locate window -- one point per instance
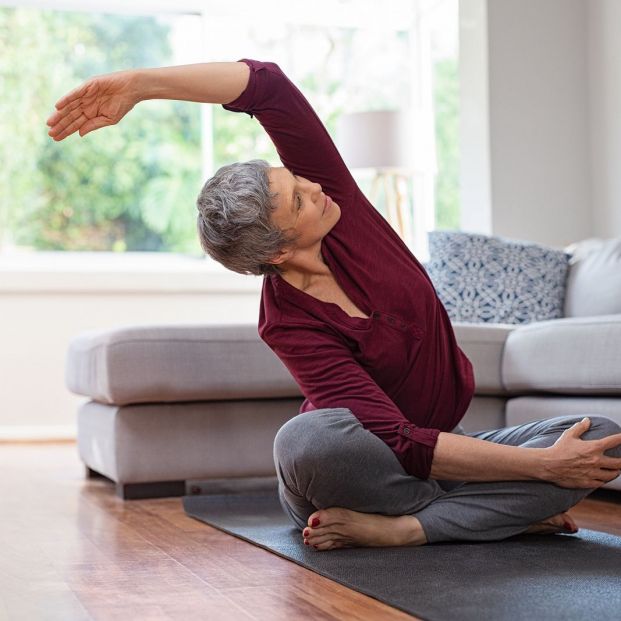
(134, 187)
(127, 188)
(442, 24)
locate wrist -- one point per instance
(140, 85)
(539, 463)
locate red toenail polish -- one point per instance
(315, 546)
(315, 522)
(306, 533)
(568, 526)
(306, 543)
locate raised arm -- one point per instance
(255, 87)
(105, 99)
(216, 83)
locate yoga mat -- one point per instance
(526, 577)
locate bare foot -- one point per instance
(342, 528)
(554, 524)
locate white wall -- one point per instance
(538, 120)
(537, 130)
(604, 88)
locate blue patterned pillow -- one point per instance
(481, 278)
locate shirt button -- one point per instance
(391, 320)
(406, 431)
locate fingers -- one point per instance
(93, 124)
(581, 426)
(59, 130)
(76, 93)
(611, 463)
(593, 483)
(69, 126)
(68, 116)
(612, 476)
(577, 429)
(610, 441)
(605, 475)
(59, 114)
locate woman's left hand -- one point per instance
(100, 101)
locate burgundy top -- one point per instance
(399, 371)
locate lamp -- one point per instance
(381, 140)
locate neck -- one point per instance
(305, 273)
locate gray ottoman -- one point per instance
(174, 406)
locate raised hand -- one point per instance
(100, 101)
(576, 463)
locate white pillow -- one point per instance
(594, 281)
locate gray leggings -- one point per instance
(326, 458)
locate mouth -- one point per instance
(325, 207)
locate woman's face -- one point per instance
(301, 206)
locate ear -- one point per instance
(283, 256)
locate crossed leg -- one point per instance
(325, 459)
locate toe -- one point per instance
(322, 539)
(311, 534)
(314, 519)
(569, 521)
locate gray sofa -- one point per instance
(184, 409)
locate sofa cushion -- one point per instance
(481, 278)
(594, 280)
(572, 355)
(155, 363)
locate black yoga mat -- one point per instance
(526, 577)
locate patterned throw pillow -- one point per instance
(481, 278)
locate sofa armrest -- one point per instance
(484, 345)
(168, 363)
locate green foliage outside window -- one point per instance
(446, 93)
(131, 187)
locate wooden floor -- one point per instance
(71, 549)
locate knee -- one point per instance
(310, 435)
(290, 437)
(603, 426)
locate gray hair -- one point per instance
(234, 224)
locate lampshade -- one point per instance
(380, 139)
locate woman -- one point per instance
(376, 455)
